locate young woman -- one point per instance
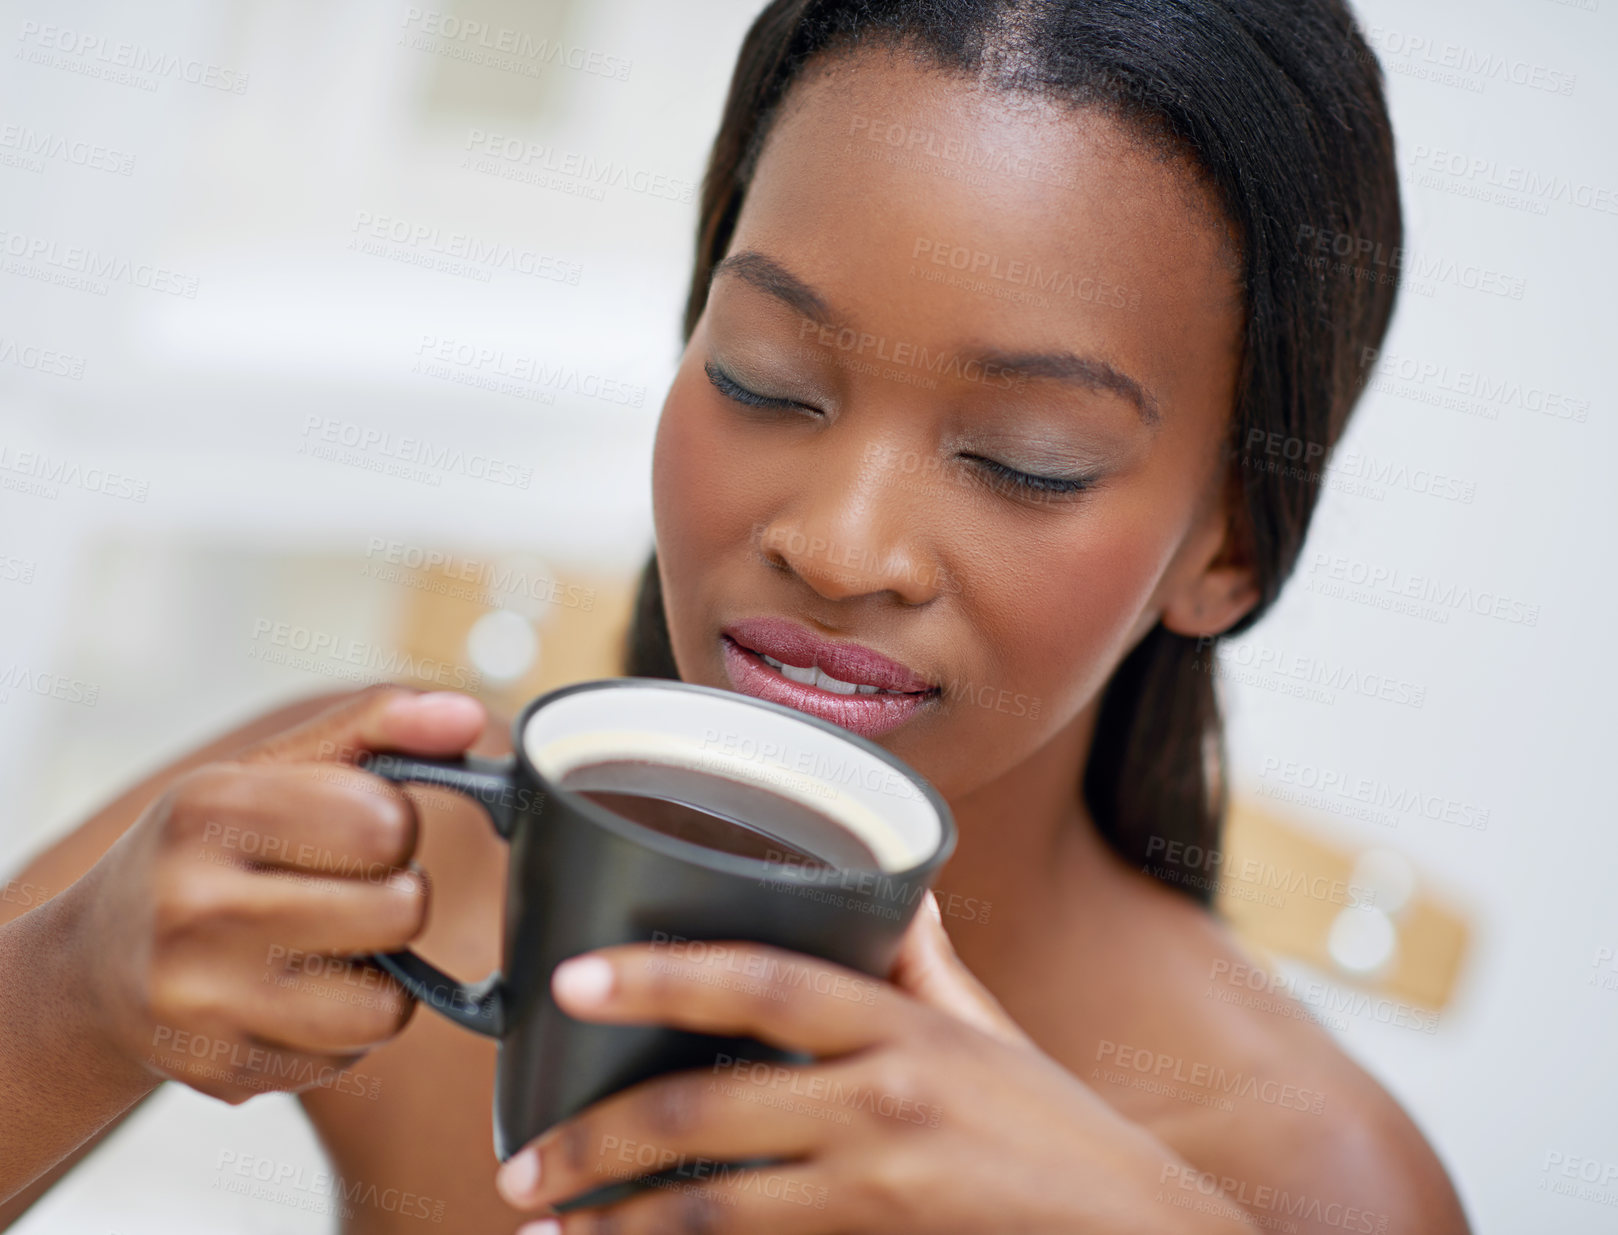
(1001, 313)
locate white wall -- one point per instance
(205, 402)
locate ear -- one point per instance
(1220, 586)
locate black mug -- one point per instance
(583, 876)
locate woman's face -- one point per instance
(957, 397)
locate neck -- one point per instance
(1028, 848)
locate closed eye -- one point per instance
(734, 390)
(1031, 484)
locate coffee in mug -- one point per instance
(642, 810)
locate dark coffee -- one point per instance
(719, 813)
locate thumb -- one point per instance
(928, 968)
(390, 718)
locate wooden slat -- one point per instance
(1266, 853)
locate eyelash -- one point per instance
(1027, 482)
(1041, 486)
(728, 386)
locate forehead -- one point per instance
(906, 193)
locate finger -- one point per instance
(325, 1005)
(726, 987)
(929, 968)
(327, 818)
(313, 913)
(730, 1112)
(716, 1198)
(381, 718)
(234, 1069)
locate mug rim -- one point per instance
(718, 859)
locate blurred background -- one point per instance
(331, 349)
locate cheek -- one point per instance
(676, 463)
(698, 510)
(1069, 604)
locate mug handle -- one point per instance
(477, 1006)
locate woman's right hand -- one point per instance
(215, 936)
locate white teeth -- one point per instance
(815, 676)
(825, 681)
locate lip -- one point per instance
(792, 644)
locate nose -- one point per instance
(856, 528)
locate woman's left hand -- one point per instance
(926, 1109)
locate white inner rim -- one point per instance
(727, 736)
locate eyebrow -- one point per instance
(1085, 371)
(769, 276)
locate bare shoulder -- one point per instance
(1270, 1111)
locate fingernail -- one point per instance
(519, 1177)
(932, 903)
(582, 980)
(545, 1226)
(441, 705)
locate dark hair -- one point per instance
(1277, 106)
